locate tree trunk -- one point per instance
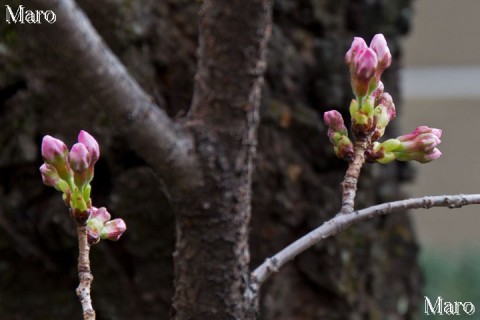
(212, 255)
(367, 272)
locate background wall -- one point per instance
(441, 86)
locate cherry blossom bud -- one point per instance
(79, 158)
(96, 222)
(113, 229)
(338, 134)
(94, 228)
(51, 178)
(344, 148)
(91, 144)
(379, 45)
(358, 44)
(334, 120)
(378, 91)
(363, 121)
(384, 113)
(432, 155)
(54, 151)
(365, 64)
(100, 214)
(420, 145)
(382, 152)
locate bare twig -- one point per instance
(148, 129)
(342, 221)
(84, 274)
(349, 184)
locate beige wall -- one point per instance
(446, 33)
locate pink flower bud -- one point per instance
(91, 144)
(384, 113)
(113, 229)
(378, 92)
(379, 45)
(98, 217)
(334, 120)
(358, 44)
(344, 148)
(93, 236)
(94, 228)
(363, 71)
(420, 145)
(419, 131)
(100, 214)
(51, 178)
(365, 64)
(54, 151)
(79, 158)
(49, 175)
(385, 102)
(433, 155)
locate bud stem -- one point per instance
(349, 184)
(84, 274)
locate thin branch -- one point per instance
(84, 274)
(341, 221)
(349, 184)
(150, 132)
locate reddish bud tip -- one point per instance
(420, 145)
(54, 151)
(113, 229)
(91, 144)
(101, 214)
(365, 64)
(334, 120)
(358, 44)
(49, 175)
(79, 158)
(379, 45)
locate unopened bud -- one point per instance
(334, 120)
(54, 151)
(384, 113)
(51, 178)
(113, 229)
(344, 148)
(358, 44)
(100, 214)
(363, 120)
(383, 152)
(91, 144)
(365, 65)
(420, 145)
(379, 45)
(79, 158)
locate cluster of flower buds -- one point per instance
(101, 227)
(367, 64)
(71, 172)
(338, 134)
(420, 145)
(373, 109)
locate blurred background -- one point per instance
(441, 88)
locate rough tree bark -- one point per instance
(367, 272)
(212, 255)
